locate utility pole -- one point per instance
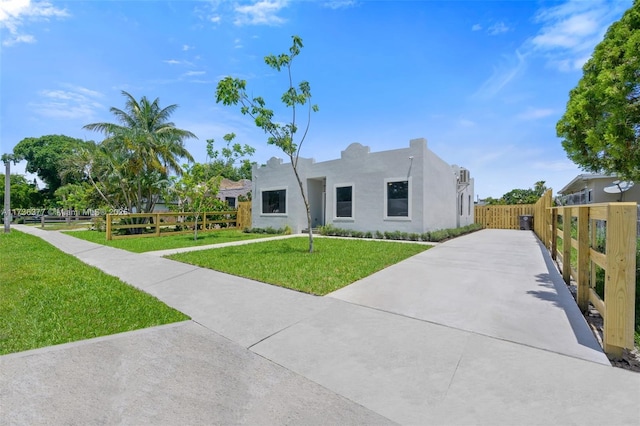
(7, 193)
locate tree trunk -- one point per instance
(306, 205)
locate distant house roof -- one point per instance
(230, 184)
(578, 182)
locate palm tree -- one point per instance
(142, 150)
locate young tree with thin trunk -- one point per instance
(288, 137)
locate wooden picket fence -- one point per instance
(172, 223)
(616, 225)
(502, 217)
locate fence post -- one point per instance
(566, 244)
(619, 288)
(548, 215)
(156, 221)
(554, 233)
(583, 258)
(108, 227)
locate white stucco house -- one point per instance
(408, 190)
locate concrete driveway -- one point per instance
(478, 330)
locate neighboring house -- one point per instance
(230, 191)
(589, 188)
(407, 190)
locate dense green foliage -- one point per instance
(44, 156)
(232, 161)
(232, 91)
(520, 196)
(601, 125)
(24, 194)
(286, 262)
(52, 298)
(130, 168)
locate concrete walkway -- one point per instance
(478, 330)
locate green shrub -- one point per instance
(433, 236)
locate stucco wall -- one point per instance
(432, 184)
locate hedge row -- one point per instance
(433, 236)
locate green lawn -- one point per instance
(334, 264)
(52, 298)
(140, 245)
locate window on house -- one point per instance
(231, 202)
(469, 206)
(344, 201)
(274, 201)
(398, 198)
(461, 204)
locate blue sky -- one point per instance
(483, 81)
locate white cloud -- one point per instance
(172, 62)
(339, 4)
(466, 123)
(498, 28)
(571, 31)
(262, 12)
(511, 67)
(186, 47)
(194, 73)
(535, 113)
(215, 19)
(568, 34)
(476, 27)
(71, 103)
(14, 14)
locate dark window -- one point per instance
(344, 201)
(231, 201)
(274, 201)
(398, 198)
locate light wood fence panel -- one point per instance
(244, 215)
(170, 223)
(503, 217)
(618, 262)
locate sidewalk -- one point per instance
(478, 330)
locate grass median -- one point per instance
(48, 297)
(334, 264)
(144, 244)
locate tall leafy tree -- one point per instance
(132, 164)
(288, 137)
(24, 194)
(601, 125)
(232, 161)
(44, 156)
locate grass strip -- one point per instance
(144, 244)
(334, 263)
(48, 297)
